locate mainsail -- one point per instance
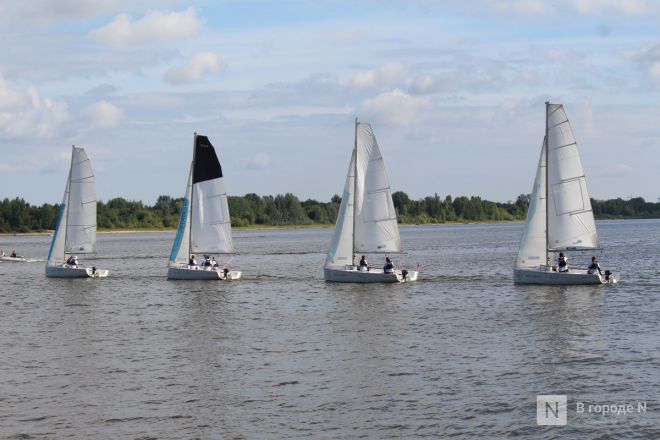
(210, 222)
(376, 228)
(75, 230)
(570, 218)
(341, 248)
(532, 250)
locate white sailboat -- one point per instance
(75, 230)
(559, 218)
(204, 225)
(366, 222)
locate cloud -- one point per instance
(427, 83)
(387, 74)
(154, 27)
(649, 59)
(629, 7)
(44, 12)
(26, 114)
(102, 89)
(102, 114)
(618, 170)
(527, 7)
(395, 107)
(195, 68)
(260, 161)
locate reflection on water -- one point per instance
(281, 354)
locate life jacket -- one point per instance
(562, 261)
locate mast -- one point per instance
(192, 192)
(68, 202)
(547, 147)
(354, 191)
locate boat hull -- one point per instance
(75, 272)
(13, 259)
(541, 275)
(184, 273)
(373, 276)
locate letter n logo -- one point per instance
(551, 409)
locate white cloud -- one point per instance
(154, 27)
(387, 74)
(25, 114)
(102, 114)
(630, 7)
(195, 68)
(618, 170)
(260, 161)
(48, 11)
(527, 7)
(649, 59)
(10, 98)
(395, 107)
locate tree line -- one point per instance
(17, 215)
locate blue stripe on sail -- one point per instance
(57, 227)
(180, 230)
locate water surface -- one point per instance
(282, 354)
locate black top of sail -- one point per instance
(207, 165)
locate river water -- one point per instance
(281, 354)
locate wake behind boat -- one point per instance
(366, 222)
(205, 224)
(559, 220)
(75, 231)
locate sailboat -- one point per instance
(560, 218)
(204, 225)
(366, 222)
(75, 230)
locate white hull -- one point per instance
(545, 275)
(352, 275)
(75, 272)
(13, 259)
(184, 273)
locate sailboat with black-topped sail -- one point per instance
(559, 217)
(75, 230)
(205, 225)
(366, 222)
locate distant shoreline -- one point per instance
(272, 227)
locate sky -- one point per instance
(454, 90)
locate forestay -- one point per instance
(532, 250)
(341, 248)
(181, 247)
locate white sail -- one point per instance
(181, 247)
(56, 252)
(341, 248)
(75, 230)
(532, 250)
(570, 218)
(376, 228)
(210, 221)
(81, 215)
